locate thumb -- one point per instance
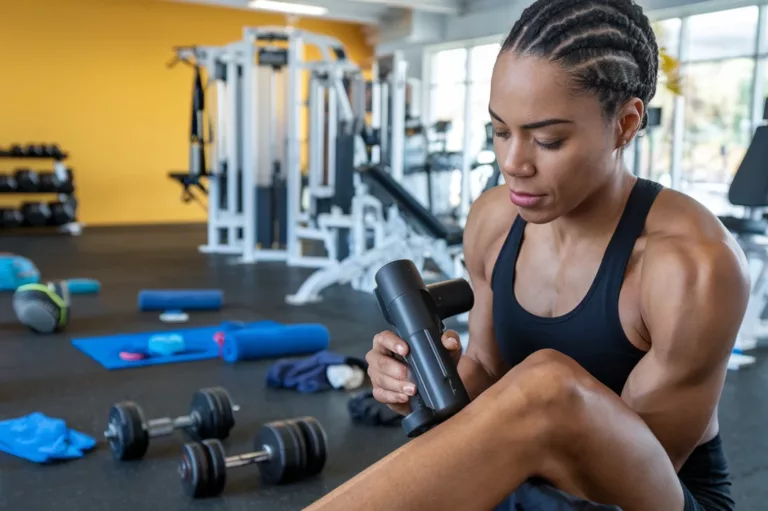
(452, 342)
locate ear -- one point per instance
(629, 121)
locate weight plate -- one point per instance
(279, 441)
(129, 439)
(195, 469)
(227, 418)
(204, 407)
(218, 458)
(316, 441)
(302, 447)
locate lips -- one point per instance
(524, 200)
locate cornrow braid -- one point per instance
(608, 45)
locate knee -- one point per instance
(547, 383)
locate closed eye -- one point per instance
(550, 146)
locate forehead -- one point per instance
(528, 89)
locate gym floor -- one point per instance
(48, 375)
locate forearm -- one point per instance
(475, 377)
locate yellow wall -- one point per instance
(90, 75)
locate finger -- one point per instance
(391, 367)
(386, 382)
(389, 342)
(388, 397)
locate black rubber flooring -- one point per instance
(46, 374)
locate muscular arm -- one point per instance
(693, 298)
(481, 366)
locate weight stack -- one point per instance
(281, 210)
(264, 218)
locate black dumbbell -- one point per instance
(16, 150)
(10, 218)
(47, 182)
(35, 150)
(35, 214)
(62, 213)
(65, 184)
(27, 180)
(287, 451)
(54, 151)
(211, 415)
(7, 183)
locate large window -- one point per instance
(483, 61)
(447, 93)
(449, 79)
(722, 34)
(763, 99)
(656, 146)
(717, 127)
(668, 35)
(718, 91)
(453, 72)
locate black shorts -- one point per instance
(705, 480)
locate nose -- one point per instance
(514, 159)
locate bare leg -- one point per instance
(546, 418)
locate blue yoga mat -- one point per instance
(198, 341)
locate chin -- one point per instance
(537, 216)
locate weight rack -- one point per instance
(65, 195)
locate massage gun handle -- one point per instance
(436, 376)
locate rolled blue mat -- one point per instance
(83, 286)
(279, 341)
(184, 299)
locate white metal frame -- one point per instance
(393, 238)
(250, 137)
(388, 115)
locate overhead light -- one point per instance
(288, 7)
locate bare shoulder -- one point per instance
(691, 264)
(680, 228)
(488, 224)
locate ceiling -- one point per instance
(363, 11)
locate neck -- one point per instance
(597, 216)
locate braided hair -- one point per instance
(608, 46)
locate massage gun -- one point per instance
(416, 311)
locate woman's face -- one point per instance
(554, 147)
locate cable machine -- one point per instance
(261, 204)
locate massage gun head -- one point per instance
(401, 277)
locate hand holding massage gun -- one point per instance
(416, 311)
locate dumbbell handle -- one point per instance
(250, 458)
(166, 425)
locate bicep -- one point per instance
(676, 403)
(692, 304)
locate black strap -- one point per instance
(630, 228)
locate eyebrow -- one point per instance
(533, 125)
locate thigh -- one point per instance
(595, 446)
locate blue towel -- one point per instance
(308, 375)
(42, 439)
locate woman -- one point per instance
(605, 307)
